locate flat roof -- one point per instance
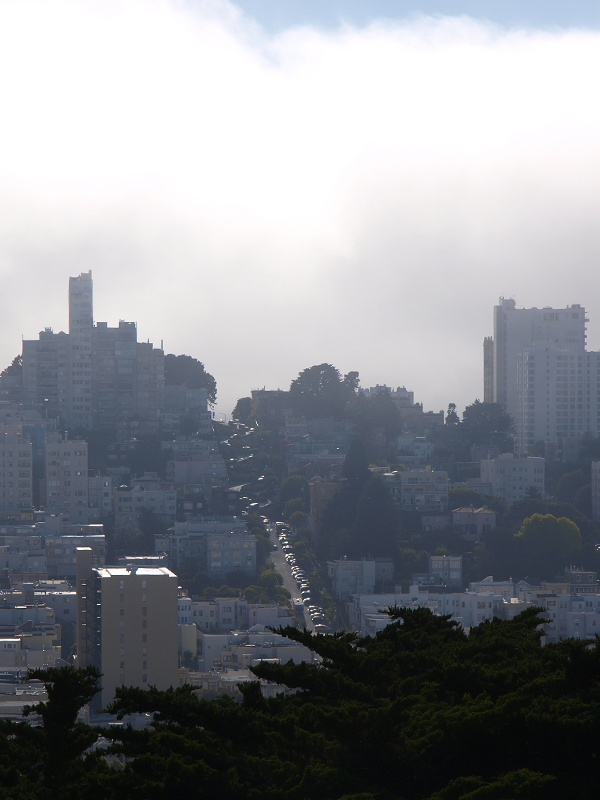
(114, 572)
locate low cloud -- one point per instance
(268, 202)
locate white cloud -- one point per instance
(266, 203)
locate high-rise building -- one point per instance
(93, 376)
(127, 624)
(515, 328)
(537, 368)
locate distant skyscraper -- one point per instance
(537, 368)
(94, 376)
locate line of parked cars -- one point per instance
(316, 612)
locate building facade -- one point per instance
(537, 368)
(67, 478)
(127, 624)
(511, 477)
(16, 488)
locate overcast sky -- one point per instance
(270, 185)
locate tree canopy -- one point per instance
(188, 371)
(243, 410)
(15, 368)
(422, 711)
(487, 424)
(321, 392)
(548, 544)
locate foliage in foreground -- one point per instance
(421, 712)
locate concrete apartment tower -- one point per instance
(536, 367)
(127, 624)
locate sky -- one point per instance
(270, 185)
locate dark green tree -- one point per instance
(376, 525)
(322, 392)
(570, 484)
(15, 369)
(355, 469)
(583, 500)
(451, 415)
(547, 545)
(487, 424)
(293, 487)
(62, 740)
(243, 410)
(188, 371)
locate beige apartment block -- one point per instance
(127, 624)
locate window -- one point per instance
(144, 637)
(144, 611)
(144, 678)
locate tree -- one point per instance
(188, 371)
(570, 484)
(294, 486)
(376, 526)
(321, 392)
(63, 741)
(385, 414)
(583, 500)
(355, 469)
(547, 545)
(15, 369)
(487, 424)
(419, 712)
(533, 491)
(243, 410)
(451, 415)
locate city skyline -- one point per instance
(268, 197)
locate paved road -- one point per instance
(284, 569)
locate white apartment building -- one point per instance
(15, 475)
(466, 608)
(511, 476)
(67, 478)
(516, 328)
(537, 368)
(242, 649)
